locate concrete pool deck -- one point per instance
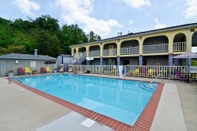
(21, 109)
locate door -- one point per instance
(125, 62)
(111, 48)
(144, 62)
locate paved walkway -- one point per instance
(188, 97)
(23, 110)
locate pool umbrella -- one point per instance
(186, 55)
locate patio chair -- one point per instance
(150, 73)
(42, 70)
(193, 78)
(48, 69)
(129, 73)
(80, 70)
(27, 71)
(20, 71)
(143, 72)
(136, 72)
(61, 68)
(181, 76)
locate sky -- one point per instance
(106, 17)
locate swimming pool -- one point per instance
(122, 100)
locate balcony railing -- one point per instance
(94, 53)
(179, 47)
(110, 52)
(156, 48)
(129, 50)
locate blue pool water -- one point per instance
(122, 100)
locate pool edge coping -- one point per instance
(144, 121)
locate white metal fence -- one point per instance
(167, 72)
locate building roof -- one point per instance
(66, 55)
(130, 35)
(27, 57)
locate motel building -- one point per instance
(142, 48)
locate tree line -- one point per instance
(44, 33)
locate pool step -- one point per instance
(148, 86)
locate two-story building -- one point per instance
(142, 48)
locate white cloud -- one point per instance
(137, 3)
(130, 21)
(26, 5)
(158, 24)
(191, 11)
(78, 11)
(170, 5)
(176, 8)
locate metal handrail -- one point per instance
(10, 78)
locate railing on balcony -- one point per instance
(155, 48)
(110, 52)
(129, 50)
(94, 53)
(179, 47)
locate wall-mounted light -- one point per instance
(118, 40)
(16, 61)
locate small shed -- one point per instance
(34, 61)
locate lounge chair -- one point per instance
(80, 70)
(61, 68)
(150, 73)
(129, 73)
(193, 78)
(27, 71)
(48, 69)
(42, 70)
(136, 72)
(20, 71)
(181, 76)
(143, 72)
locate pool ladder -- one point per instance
(10, 78)
(155, 78)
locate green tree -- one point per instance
(194, 62)
(70, 35)
(46, 22)
(43, 33)
(5, 33)
(15, 49)
(93, 37)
